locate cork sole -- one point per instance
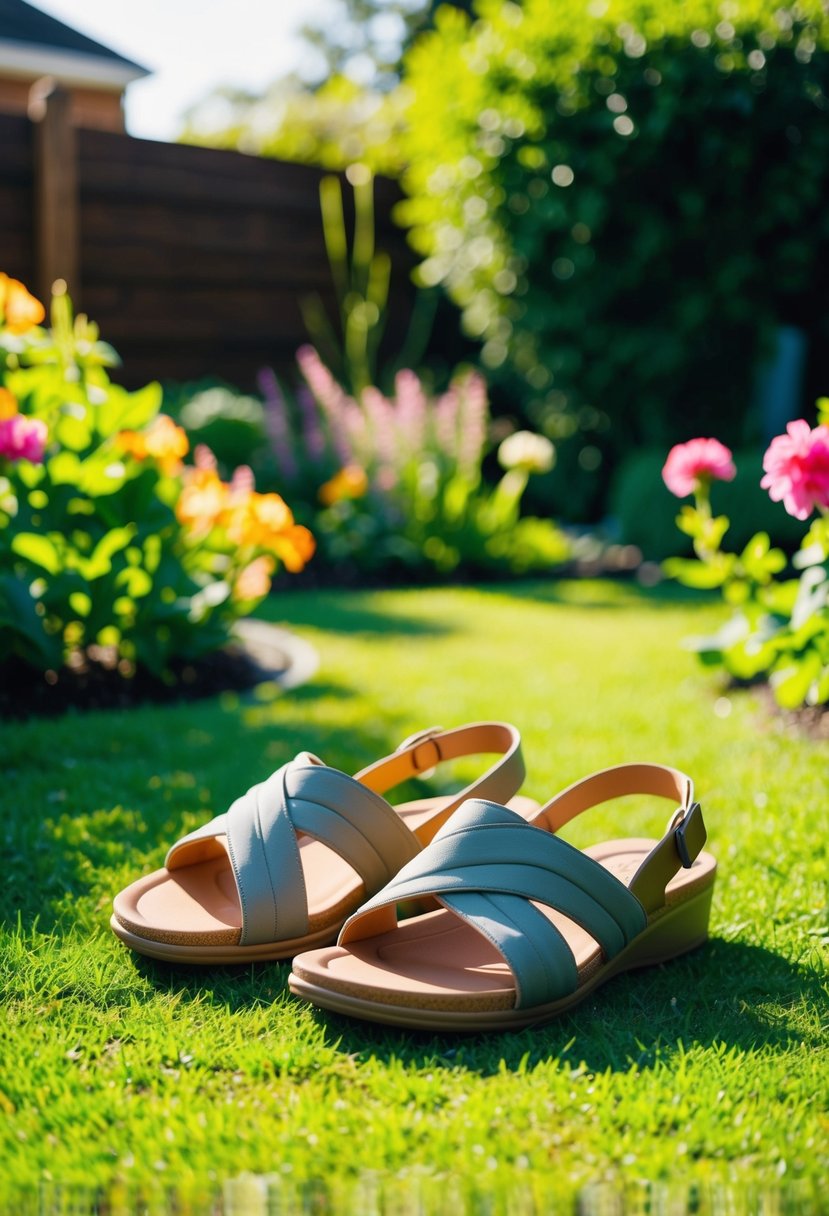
(192, 914)
(436, 972)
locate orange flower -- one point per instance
(162, 440)
(167, 442)
(8, 404)
(258, 519)
(350, 482)
(265, 521)
(203, 500)
(294, 548)
(18, 307)
(255, 580)
(133, 443)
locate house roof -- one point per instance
(34, 43)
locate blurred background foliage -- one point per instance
(624, 200)
(347, 104)
(625, 203)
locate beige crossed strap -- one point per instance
(426, 749)
(683, 838)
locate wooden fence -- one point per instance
(193, 261)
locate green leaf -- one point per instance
(746, 661)
(791, 684)
(780, 598)
(73, 430)
(455, 498)
(64, 469)
(701, 575)
(101, 474)
(18, 615)
(714, 530)
(737, 592)
(689, 521)
(761, 562)
(137, 582)
(128, 411)
(80, 603)
(37, 549)
(100, 561)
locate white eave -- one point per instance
(69, 67)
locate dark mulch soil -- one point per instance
(25, 692)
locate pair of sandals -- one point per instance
(512, 925)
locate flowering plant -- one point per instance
(398, 479)
(780, 626)
(111, 549)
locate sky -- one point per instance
(191, 46)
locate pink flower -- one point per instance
(696, 462)
(242, 482)
(797, 469)
(412, 410)
(203, 458)
(23, 438)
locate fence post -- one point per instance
(55, 188)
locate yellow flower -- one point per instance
(162, 440)
(349, 482)
(257, 519)
(294, 547)
(203, 500)
(255, 580)
(8, 404)
(19, 309)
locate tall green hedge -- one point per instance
(625, 197)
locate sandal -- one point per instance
(294, 856)
(523, 926)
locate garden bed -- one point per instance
(260, 653)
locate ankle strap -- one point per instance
(684, 836)
(426, 749)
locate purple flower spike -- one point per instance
(278, 425)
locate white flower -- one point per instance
(526, 450)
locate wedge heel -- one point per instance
(681, 928)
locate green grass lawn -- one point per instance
(143, 1080)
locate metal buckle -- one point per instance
(679, 834)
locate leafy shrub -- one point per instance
(397, 482)
(780, 627)
(624, 199)
(110, 549)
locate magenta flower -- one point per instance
(23, 438)
(695, 463)
(797, 469)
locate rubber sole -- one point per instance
(208, 956)
(675, 932)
